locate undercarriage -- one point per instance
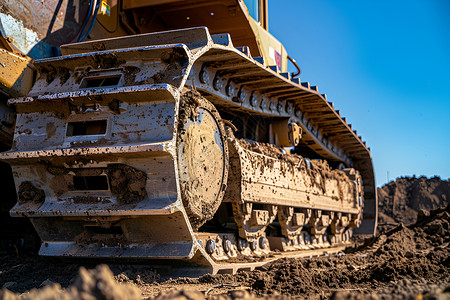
(176, 145)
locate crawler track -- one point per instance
(123, 153)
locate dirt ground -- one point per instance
(402, 262)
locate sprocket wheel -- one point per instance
(202, 157)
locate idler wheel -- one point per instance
(202, 158)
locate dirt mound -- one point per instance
(98, 283)
(401, 200)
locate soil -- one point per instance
(106, 61)
(175, 61)
(127, 183)
(29, 193)
(404, 262)
(400, 201)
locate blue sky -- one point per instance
(386, 66)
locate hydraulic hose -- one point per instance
(91, 25)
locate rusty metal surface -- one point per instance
(91, 112)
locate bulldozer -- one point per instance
(171, 130)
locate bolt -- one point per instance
(280, 107)
(263, 104)
(217, 83)
(226, 245)
(242, 244)
(241, 95)
(262, 242)
(289, 108)
(210, 246)
(204, 76)
(271, 106)
(307, 239)
(229, 90)
(254, 245)
(253, 100)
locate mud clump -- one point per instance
(29, 193)
(176, 61)
(114, 106)
(127, 184)
(129, 74)
(50, 73)
(401, 201)
(189, 107)
(63, 74)
(98, 283)
(98, 46)
(107, 60)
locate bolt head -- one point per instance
(227, 246)
(254, 101)
(254, 245)
(217, 83)
(262, 242)
(264, 104)
(242, 95)
(204, 76)
(307, 239)
(210, 246)
(229, 90)
(280, 107)
(242, 244)
(289, 108)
